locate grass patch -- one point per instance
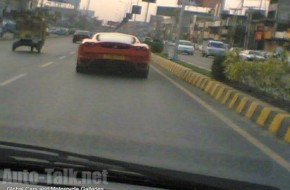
(192, 67)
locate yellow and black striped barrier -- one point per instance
(273, 119)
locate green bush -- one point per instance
(156, 46)
(271, 76)
(218, 68)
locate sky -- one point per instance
(116, 9)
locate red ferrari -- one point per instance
(114, 51)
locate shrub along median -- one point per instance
(268, 80)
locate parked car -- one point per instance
(156, 45)
(114, 50)
(58, 31)
(251, 55)
(171, 43)
(80, 35)
(7, 26)
(185, 46)
(213, 48)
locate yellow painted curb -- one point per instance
(276, 122)
(242, 104)
(220, 92)
(263, 115)
(251, 110)
(234, 100)
(203, 83)
(195, 79)
(209, 85)
(214, 89)
(227, 96)
(287, 136)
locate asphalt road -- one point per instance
(160, 121)
(196, 59)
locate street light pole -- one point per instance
(135, 14)
(179, 26)
(41, 3)
(148, 4)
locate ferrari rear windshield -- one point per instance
(119, 38)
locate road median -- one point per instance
(275, 120)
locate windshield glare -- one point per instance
(116, 38)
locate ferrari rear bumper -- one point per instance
(105, 64)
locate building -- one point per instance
(274, 31)
(137, 28)
(75, 4)
(170, 18)
(8, 6)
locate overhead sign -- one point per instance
(190, 2)
(174, 11)
(149, 1)
(136, 9)
(167, 11)
(72, 2)
(201, 3)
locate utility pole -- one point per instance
(41, 3)
(249, 27)
(22, 5)
(179, 27)
(88, 5)
(135, 14)
(147, 10)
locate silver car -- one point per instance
(251, 55)
(185, 46)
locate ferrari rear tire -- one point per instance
(143, 74)
(80, 69)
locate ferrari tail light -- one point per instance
(89, 44)
(141, 48)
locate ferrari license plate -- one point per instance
(115, 57)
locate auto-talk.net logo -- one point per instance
(56, 177)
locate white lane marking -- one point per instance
(46, 64)
(12, 79)
(63, 57)
(251, 139)
(72, 53)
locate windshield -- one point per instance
(186, 43)
(259, 53)
(82, 33)
(217, 45)
(143, 82)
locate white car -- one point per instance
(251, 55)
(213, 48)
(185, 46)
